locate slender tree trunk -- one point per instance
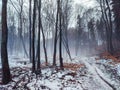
(33, 37)
(30, 29)
(116, 11)
(108, 24)
(6, 77)
(44, 43)
(103, 17)
(66, 48)
(38, 47)
(55, 38)
(60, 40)
(111, 28)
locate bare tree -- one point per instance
(20, 31)
(116, 11)
(78, 34)
(38, 47)
(33, 37)
(66, 15)
(44, 42)
(60, 38)
(56, 33)
(30, 23)
(6, 77)
(107, 17)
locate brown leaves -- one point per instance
(108, 56)
(72, 66)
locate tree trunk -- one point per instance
(6, 77)
(30, 29)
(116, 11)
(60, 40)
(38, 47)
(21, 28)
(33, 37)
(55, 38)
(111, 50)
(108, 24)
(44, 43)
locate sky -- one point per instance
(86, 3)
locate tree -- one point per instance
(20, 30)
(107, 17)
(41, 26)
(6, 77)
(38, 47)
(56, 33)
(100, 29)
(30, 9)
(116, 11)
(60, 38)
(44, 42)
(91, 29)
(17, 11)
(66, 15)
(78, 33)
(33, 37)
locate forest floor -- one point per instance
(82, 73)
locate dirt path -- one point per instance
(98, 75)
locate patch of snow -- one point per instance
(118, 69)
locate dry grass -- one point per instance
(108, 56)
(72, 66)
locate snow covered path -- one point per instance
(87, 77)
(97, 73)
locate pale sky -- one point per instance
(86, 3)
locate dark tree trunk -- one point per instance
(33, 37)
(108, 24)
(44, 43)
(111, 50)
(6, 77)
(116, 11)
(38, 47)
(55, 38)
(60, 40)
(30, 29)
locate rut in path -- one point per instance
(99, 75)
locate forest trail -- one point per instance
(98, 75)
(87, 76)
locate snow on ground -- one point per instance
(16, 62)
(85, 78)
(118, 69)
(108, 71)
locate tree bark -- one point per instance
(30, 29)
(33, 37)
(108, 24)
(38, 47)
(44, 43)
(111, 50)
(55, 38)
(6, 77)
(60, 39)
